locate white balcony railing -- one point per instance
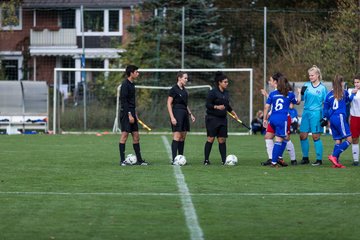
(57, 37)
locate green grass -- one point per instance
(71, 187)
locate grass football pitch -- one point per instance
(72, 187)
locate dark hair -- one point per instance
(179, 75)
(337, 86)
(219, 76)
(130, 69)
(356, 77)
(283, 85)
(276, 76)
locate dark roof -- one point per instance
(77, 3)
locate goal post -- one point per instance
(153, 84)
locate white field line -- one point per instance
(152, 133)
(180, 194)
(187, 205)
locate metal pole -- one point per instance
(54, 102)
(83, 76)
(251, 96)
(265, 22)
(183, 38)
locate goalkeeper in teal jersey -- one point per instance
(313, 94)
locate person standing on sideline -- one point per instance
(355, 119)
(270, 132)
(257, 123)
(313, 94)
(128, 115)
(279, 100)
(179, 112)
(217, 106)
(335, 111)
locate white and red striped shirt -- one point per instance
(355, 104)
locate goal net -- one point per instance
(94, 104)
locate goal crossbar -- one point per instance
(116, 121)
(106, 70)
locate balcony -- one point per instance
(41, 37)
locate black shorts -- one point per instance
(125, 124)
(182, 119)
(216, 126)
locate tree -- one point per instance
(244, 40)
(8, 18)
(334, 50)
(156, 41)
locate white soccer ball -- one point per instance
(231, 160)
(130, 159)
(180, 160)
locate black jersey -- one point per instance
(216, 97)
(127, 96)
(180, 97)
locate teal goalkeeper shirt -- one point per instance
(314, 97)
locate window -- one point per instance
(68, 77)
(9, 69)
(11, 19)
(95, 63)
(67, 19)
(100, 22)
(114, 21)
(94, 21)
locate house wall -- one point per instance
(45, 69)
(11, 40)
(126, 24)
(127, 18)
(47, 18)
(19, 40)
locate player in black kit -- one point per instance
(179, 112)
(217, 106)
(128, 116)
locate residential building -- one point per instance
(51, 33)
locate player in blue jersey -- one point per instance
(279, 100)
(270, 132)
(335, 111)
(313, 94)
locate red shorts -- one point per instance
(355, 126)
(271, 130)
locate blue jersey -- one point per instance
(279, 103)
(335, 111)
(333, 106)
(293, 113)
(314, 97)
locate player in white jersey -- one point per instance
(355, 119)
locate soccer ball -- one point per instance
(131, 159)
(180, 160)
(231, 160)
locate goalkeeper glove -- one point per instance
(303, 89)
(324, 122)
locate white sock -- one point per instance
(355, 152)
(291, 150)
(269, 147)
